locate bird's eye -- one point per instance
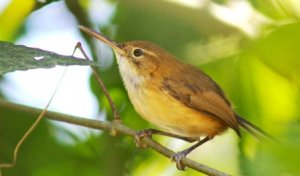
(138, 52)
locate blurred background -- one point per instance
(250, 47)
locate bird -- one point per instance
(179, 98)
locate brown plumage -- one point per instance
(175, 96)
(165, 76)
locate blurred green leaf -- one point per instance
(19, 57)
(271, 102)
(280, 51)
(277, 9)
(13, 17)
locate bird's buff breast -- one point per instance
(172, 116)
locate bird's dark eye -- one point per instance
(138, 52)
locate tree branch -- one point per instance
(107, 125)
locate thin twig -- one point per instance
(29, 131)
(102, 85)
(106, 125)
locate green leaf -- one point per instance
(13, 17)
(280, 51)
(19, 57)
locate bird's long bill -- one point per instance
(102, 38)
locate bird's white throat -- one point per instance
(130, 76)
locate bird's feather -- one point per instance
(200, 93)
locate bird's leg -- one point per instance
(178, 156)
(150, 132)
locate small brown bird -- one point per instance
(175, 96)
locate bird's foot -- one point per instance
(177, 157)
(141, 134)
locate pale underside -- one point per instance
(172, 116)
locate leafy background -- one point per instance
(255, 61)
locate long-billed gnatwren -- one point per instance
(175, 96)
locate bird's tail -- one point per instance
(251, 128)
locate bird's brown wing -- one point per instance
(215, 105)
(201, 98)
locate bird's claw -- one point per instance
(141, 134)
(177, 158)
